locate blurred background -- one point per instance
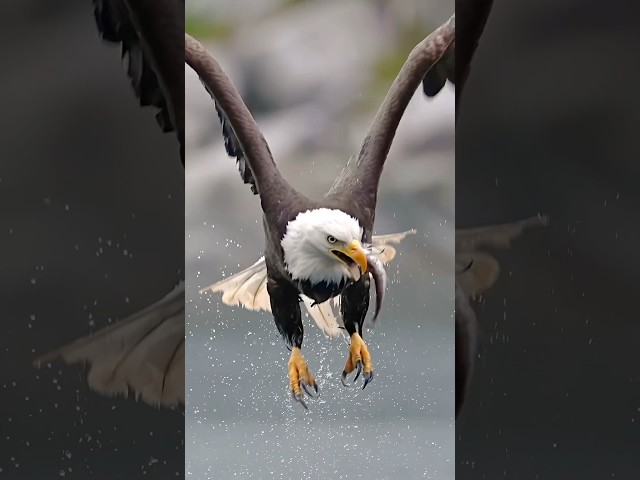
(313, 74)
(548, 123)
(91, 225)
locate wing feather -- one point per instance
(476, 272)
(143, 353)
(361, 175)
(247, 288)
(495, 236)
(242, 136)
(140, 28)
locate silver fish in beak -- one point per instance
(379, 275)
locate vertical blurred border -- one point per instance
(92, 230)
(548, 124)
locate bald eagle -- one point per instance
(318, 250)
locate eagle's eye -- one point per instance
(331, 239)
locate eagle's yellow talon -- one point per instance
(360, 359)
(300, 377)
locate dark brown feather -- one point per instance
(243, 139)
(472, 16)
(150, 35)
(358, 182)
(443, 70)
(234, 148)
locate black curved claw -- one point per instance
(368, 376)
(358, 370)
(304, 386)
(297, 397)
(343, 378)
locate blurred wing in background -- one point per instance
(248, 288)
(358, 182)
(150, 33)
(145, 352)
(476, 272)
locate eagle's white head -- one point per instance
(323, 245)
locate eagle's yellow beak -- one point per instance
(354, 257)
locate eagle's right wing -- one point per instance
(360, 178)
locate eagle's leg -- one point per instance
(285, 307)
(300, 378)
(354, 305)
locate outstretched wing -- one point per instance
(150, 33)
(472, 17)
(477, 271)
(143, 353)
(248, 288)
(495, 236)
(358, 182)
(242, 137)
